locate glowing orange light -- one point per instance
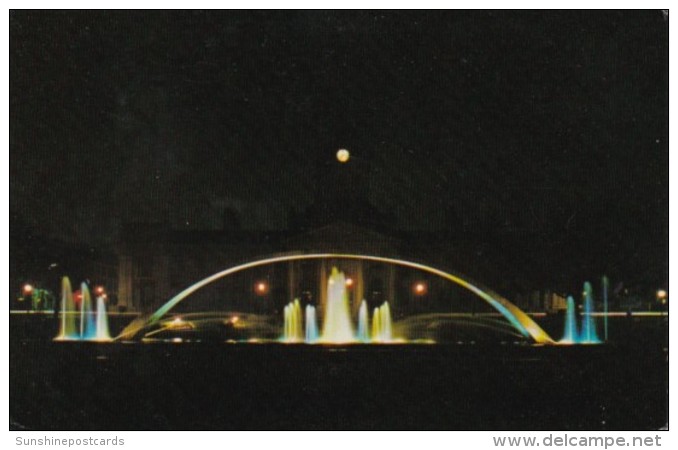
(28, 288)
(235, 319)
(261, 288)
(349, 282)
(661, 294)
(99, 290)
(420, 288)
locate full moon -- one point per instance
(343, 155)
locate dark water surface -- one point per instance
(79, 385)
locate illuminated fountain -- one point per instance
(588, 333)
(588, 327)
(606, 285)
(363, 320)
(293, 325)
(102, 333)
(68, 329)
(79, 322)
(386, 334)
(337, 323)
(87, 319)
(337, 326)
(311, 324)
(382, 324)
(570, 333)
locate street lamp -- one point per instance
(420, 288)
(261, 288)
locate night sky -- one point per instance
(542, 136)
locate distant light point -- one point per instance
(343, 155)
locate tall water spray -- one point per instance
(570, 333)
(102, 333)
(386, 334)
(606, 285)
(68, 328)
(87, 318)
(382, 324)
(293, 331)
(337, 326)
(376, 324)
(311, 324)
(363, 323)
(588, 327)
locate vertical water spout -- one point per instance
(376, 325)
(311, 325)
(606, 284)
(87, 319)
(286, 322)
(68, 328)
(363, 320)
(102, 333)
(386, 332)
(298, 334)
(337, 327)
(570, 332)
(292, 331)
(588, 328)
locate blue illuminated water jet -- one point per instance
(88, 326)
(588, 328)
(606, 284)
(570, 333)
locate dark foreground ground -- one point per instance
(81, 386)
